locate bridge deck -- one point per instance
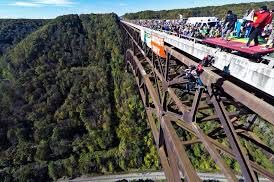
(258, 75)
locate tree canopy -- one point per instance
(12, 31)
(67, 106)
(218, 11)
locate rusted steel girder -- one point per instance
(180, 152)
(169, 133)
(187, 126)
(232, 136)
(257, 105)
(161, 150)
(248, 173)
(158, 84)
(225, 149)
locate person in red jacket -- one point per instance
(264, 17)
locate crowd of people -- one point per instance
(181, 28)
(252, 25)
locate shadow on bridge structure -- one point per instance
(172, 106)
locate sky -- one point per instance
(54, 8)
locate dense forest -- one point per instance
(67, 106)
(218, 11)
(13, 31)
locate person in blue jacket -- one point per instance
(229, 24)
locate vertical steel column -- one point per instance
(178, 150)
(165, 83)
(219, 107)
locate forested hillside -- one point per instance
(13, 31)
(67, 106)
(218, 11)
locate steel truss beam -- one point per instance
(168, 102)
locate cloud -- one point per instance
(55, 2)
(25, 4)
(39, 3)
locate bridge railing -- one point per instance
(182, 36)
(259, 74)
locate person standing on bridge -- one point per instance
(229, 24)
(269, 43)
(264, 17)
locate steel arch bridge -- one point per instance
(169, 105)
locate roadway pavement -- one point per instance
(155, 176)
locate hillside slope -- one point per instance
(67, 107)
(13, 31)
(218, 11)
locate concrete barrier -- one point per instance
(259, 75)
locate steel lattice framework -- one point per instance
(170, 105)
